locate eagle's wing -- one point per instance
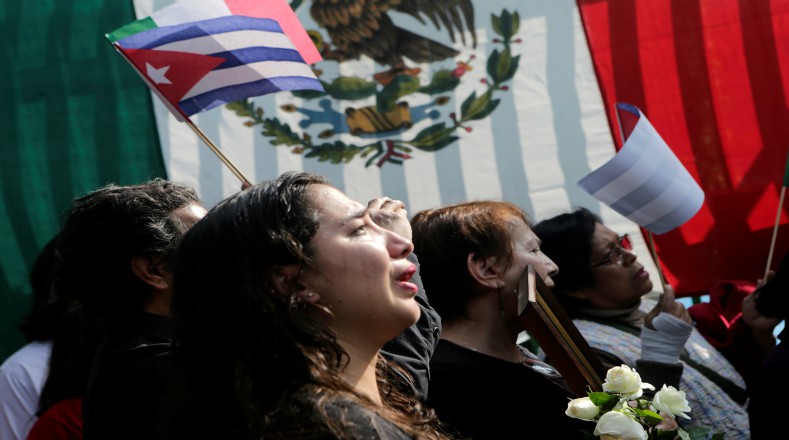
(358, 26)
(363, 27)
(451, 13)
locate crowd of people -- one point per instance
(290, 311)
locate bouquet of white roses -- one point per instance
(622, 413)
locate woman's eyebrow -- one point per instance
(353, 216)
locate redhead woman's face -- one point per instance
(525, 252)
(619, 282)
(360, 272)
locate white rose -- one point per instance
(625, 382)
(582, 408)
(671, 402)
(614, 425)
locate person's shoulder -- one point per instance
(32, 352)
(30, 361)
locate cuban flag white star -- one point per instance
(157, 75)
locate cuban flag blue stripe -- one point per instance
(255, 54)
(629, 108)
(227, 94)
(156, 37)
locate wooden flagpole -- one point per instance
(777, 218)
(244, 181)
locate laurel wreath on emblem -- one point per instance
(390, 115)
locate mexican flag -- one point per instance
(515, 101)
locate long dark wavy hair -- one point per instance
(247, 363)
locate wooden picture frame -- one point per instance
(565, 348)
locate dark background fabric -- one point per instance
(74, 117)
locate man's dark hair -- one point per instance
(108, 227)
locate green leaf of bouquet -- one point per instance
(602, 399)
(702, 432)
(651, 417)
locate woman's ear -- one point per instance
(484, 271)
(151, 271)
(287, 282)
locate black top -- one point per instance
(768, 388)
(484, 397)
(128, 377)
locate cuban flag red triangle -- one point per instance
(173, 74)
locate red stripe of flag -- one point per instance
(707, 73)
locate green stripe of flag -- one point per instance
(132, 28)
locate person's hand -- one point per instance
(390, 214)
(761, 281)
(667, 304)
(761, 326)
(666, 329)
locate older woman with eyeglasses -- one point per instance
(601, 284)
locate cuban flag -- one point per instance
(195, 64)
(645, 181)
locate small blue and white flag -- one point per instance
(645, 181)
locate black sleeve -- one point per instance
(412, 349)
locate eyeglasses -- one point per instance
(616, 255)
